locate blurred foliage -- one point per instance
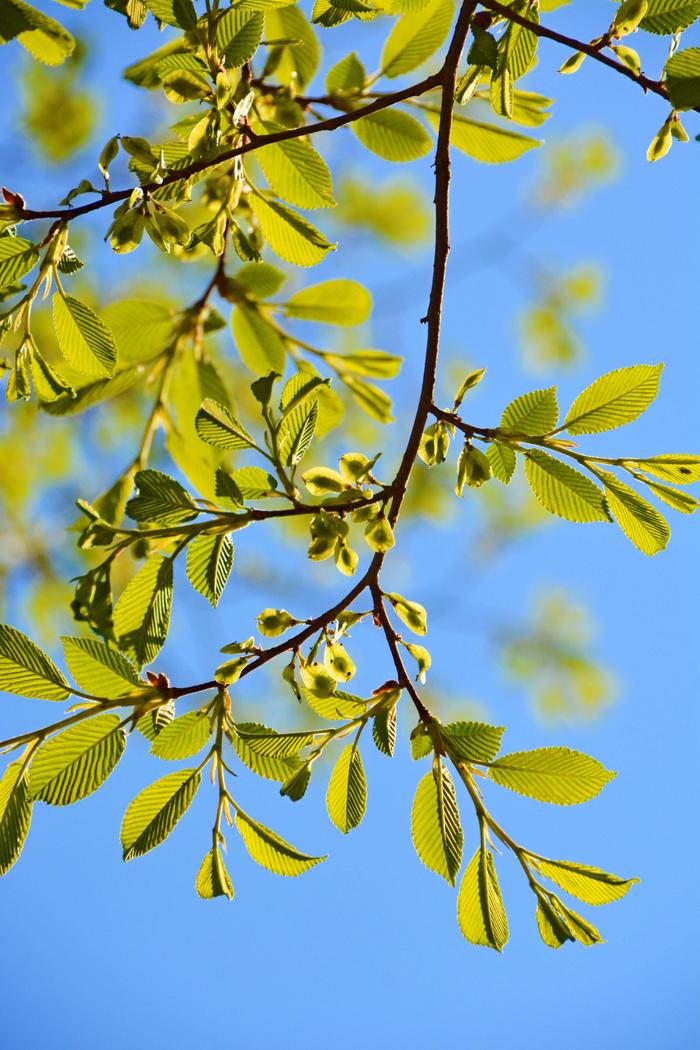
(58, 111)
(551, 658)
(547, 330)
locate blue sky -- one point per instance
(365, 948)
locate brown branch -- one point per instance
(442, 247)
(657, 87)
(370, 581)
(392, 640)
(115, 196)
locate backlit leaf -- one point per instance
(209, 564)
(212, 878)
(347, 790)
(142, 614)
(562, 490)
(76, 762)
(435, 824)
(269, 850)
(480, 911)
(15, 815)
(551, 774)
(85, 341)
(154, 812)
(99, 669)
(614, 399)
(183, 737)
(26, 670)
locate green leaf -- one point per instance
(435, 825)
(415, 37)
(375, 363)
(370, 398)
(154, 812)
(289, 235)
(562, 490)
(84, 340)
(270, 766)
(295, 171)
(183, 737)
(480, 911)
(393, 135)
(141, 328)
(44, 38)
(26, 670)
(487, 143)
(590, 885)
(209, 564)
(683, 78)
(677, 467)
(17, 258)
(384, 730)
(215, 425)
(270, 851)
(338, 302)
(15, 815)
(142, 614)
(266, 741)
(676, 498)
(98, 669)
(76, 762)
(473, 741)
(347, 790)
(161, 500)
(212, 878)
(551, 774)
(336, 706)
(532, 414)
(641, 523)
(346, 76)
(667, 17)
(261, 347)
(502, 459)
(616, 398)
(238, 35)
(300, 60)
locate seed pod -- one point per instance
(272, 622)
(473, 468)
(573, 62)
(338, 662)
(379, 535)
(346, 559)
(410, 613)
(628, 16)
(629, 57)
(661, 143)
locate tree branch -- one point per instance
(115, 196)
(646, 83)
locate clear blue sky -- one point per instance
(365, 949)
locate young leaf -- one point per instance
(393, 135)
(161, 500)
(480, 911)
(473, 741)
(551, 774)
(153, 814)
(270, 851)
(98, 669)
(209, 564)
(415, 37)
(435, 825)
(15, 815)
(260, 345)
(347, 790)
(675, 466)
(502, 459)
(76, 762)
(616, 398)
(142, 614)
(590, 885)
(384, 730)
(212, 878)
(640, 522)
(17, 258)
(215, 425)
(27, 671)
(289, 235)
(487, 143)
(85, 341)
(532, 414)
(266, 741)
(296, 172)
(337, 302)
(183, 737)
(272, 767)
(562, 490)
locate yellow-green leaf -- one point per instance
(614, 399)
(435, 825)
(562, 490)
(393, 135)
(153, 814)
(480, 911)
(26, 670)
(213, 880)
(183, 737)
(270, 850)
(551, 774)
(15, 815)
(85, 341)
(347, 790)
(76, 762)
(641, 523)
